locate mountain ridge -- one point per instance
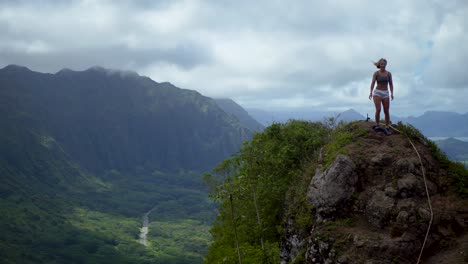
(113, 97)
(86, 153)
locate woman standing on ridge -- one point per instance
(380, 93)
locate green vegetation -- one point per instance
(42, 229)
(39, 230)
(341, 136)
(54, 212)
(117, 227)
(455, 169)
(174, 195)
(181, 241)
(255, 184)
(180, 215)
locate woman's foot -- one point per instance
(387, 131)
(377, 128)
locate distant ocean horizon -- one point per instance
(442, 138)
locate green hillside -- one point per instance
(269, 170)
(86, 154)
(41, 187)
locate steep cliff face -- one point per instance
(370, 205)
(113, 120)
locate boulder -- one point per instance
(330, 191)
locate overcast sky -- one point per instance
(268, 54)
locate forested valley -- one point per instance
(85, 154)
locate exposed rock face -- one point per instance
(292, 242)
(331, 190)
(371, 207)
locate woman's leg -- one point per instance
(377, 103)
(386, 109)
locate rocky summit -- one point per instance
(370, 204)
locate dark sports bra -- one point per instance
(382, 79)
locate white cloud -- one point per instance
(263, 53)
(175, 18)
(449, 56)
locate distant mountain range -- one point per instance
(268, 117)
(431, 123)
(455, 149)
(440, 124)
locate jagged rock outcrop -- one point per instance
(370, 206)
(330, 191)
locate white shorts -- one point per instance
(380, 93)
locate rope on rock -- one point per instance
(427, 192)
